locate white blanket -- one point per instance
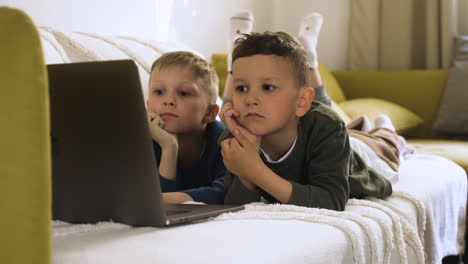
(259, 234)
(440, 186)
(426, 211)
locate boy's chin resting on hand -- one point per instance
(164, 138)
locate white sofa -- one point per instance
(422, 222)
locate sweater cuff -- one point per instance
(242, 195)
(311, 196)
(196, 195)
(167, 185)
(206, 195)
(298, 193)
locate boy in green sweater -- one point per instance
(287, 148)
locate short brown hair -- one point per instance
(200, 67)
(275, 43)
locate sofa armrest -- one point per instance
(419, 91)
(25, 160)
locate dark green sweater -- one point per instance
(323, 170)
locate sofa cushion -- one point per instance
(332, 87)
(219, 62)
(340, 112)
(454, 150)
(403, 119)
(417, 90)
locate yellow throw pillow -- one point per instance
(219, 62)
(335, 107)
(403, 119)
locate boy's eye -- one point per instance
(241, 88)
(268, 87)
(158, 92)
(184, 93)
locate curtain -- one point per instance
(463, 17)
(402, 34)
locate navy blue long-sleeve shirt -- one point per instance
(204, 181)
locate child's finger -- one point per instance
(252, 138)
(231, 112)
(243, 141)
(231, 124)
(225, 146)
(227, 115)
(152, 115)
(157, 120)
(226, 107)
(245, 133)
(160, 121)
(235, 113)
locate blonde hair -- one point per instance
(200, 67)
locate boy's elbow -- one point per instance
(341, 204)
(336, 202)
(229, 200)
(332, 198)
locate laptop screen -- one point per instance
(103, 164)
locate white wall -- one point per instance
(332, 46)
(133, 18)
(203, 24)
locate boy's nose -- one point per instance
(167, 103)
(169, 100)
(252, 99)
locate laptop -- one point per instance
(103, 164)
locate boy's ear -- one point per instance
(211, 113)
(306, 97)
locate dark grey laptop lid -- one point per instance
(103, 163)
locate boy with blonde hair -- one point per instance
(181, 106)
(287, 148)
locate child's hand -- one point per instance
(228, 115)
(240, 156)
(158, 134)
(254, 140)
(176, 197)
